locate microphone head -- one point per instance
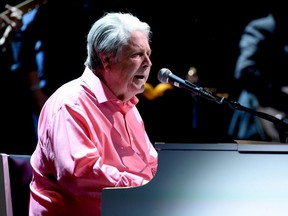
(163, 75)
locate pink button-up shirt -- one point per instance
(88, 140)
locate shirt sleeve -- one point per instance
(77, 155)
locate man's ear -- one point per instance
(105, 61)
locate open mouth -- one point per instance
(139, 76)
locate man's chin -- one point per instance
(142, 88)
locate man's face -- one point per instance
(127, 75)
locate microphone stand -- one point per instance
(282, 125)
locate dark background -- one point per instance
(202, 34)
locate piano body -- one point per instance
(209, 180)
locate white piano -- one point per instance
(213, 179)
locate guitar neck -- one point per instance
(25, 7)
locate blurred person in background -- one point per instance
(17, 124)
(261, 72)
(37, 65)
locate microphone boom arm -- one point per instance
(281, 124)
(203, 93)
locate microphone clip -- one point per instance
(200, 91)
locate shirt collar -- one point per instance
(102, 92)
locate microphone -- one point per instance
(166, 76)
